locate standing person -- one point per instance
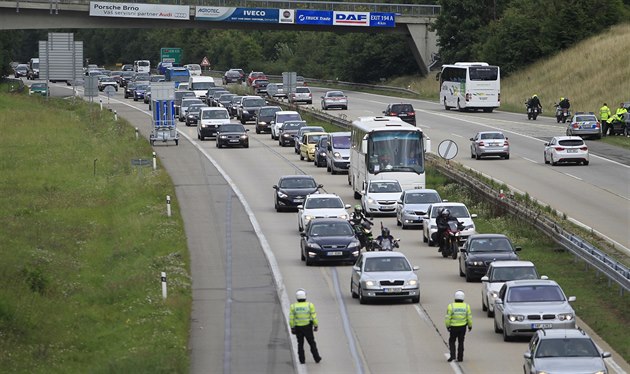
(303, 321)
(619, 114)
(604, 114)
(458, 316)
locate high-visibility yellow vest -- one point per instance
(302, 313)
(458, 314)
(604, 113)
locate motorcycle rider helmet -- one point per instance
(385, 232)
(300, 295)
(459, 295)
(358, 208)
(445, 212)
(534, 95)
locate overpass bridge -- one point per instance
(411, 20)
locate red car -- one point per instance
(255, 75)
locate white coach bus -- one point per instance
(470, 86)
(386, 148)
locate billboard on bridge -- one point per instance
(136, 10)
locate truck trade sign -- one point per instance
(173, 55)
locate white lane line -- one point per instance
(530, 160)
(346, 323)
(572, 176)
(457, 135)
(454, 365)
(610, 362)
(425, 317)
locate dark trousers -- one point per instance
(604, 127)
(302, 332)
(457, 333)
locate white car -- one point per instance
(209, 121)
(500, 272)
(321, 206)
(566, 149)
(458, 210)
(381, 197)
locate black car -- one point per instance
(320, 152)
(403, 111)
(192, 116)
(288, 132)
(232, 76)
(329, 240)
(210, 94)
(482, 249)
(265, 115)
(129, 88)
(249, 107)
(225, 100)
(139, 91)
(291, 191)
(214, 100)
(20, 71)
(232, 135)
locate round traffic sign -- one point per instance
(109, 91)
(447, 149)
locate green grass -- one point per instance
(83, 246)
(598, 304)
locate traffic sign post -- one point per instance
(109, 91)
(173, 55)
(447, 149)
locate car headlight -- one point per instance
(410, 212)
(322, 153)
(191, 116)
(516, 317)
(494, 294)
(262, 123)
(565, 316)
(412, 282)
(337, 155)
(354, 244)
(370, 283)
(475, 263)
(286, 135)
(343, 216)
(243, 136)
(308, 217)
(313, 245)
(370, 200)
(282, 195)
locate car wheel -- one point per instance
(585, 163)
(507, 157)
(398, 222)
(354, 294)
(246, 145)
(461, 273)
(472, 154)
(496, 327)
(309, 262)
(554, 163)
(477, 156)
(468, 278)
(302, 255)
(490, 313)
(345, 107)
(545, 157)
(415, 299)
(424, 238)
(301, 157)
(506, 337)
(484, 307)
(257, 131)
(362, 299)
(357, 195)
(430, 241)
(243, 121)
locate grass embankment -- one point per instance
(83, 246)
(598, 304)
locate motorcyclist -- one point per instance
(384, 237)
(357, 220)
(442, 225)
(357, 217)
(534, 102)
(564, 103)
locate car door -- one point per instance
(356, 274)
(500, 307)
(400, 205)
(529, 366)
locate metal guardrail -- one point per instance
(604, 263)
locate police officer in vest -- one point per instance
(303, 321)
(458, 317)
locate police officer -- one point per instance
(458, 316)
(303, 321)
(604, 114)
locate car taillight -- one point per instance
(505, 143)
(393, 114)
(481, 144)
(583, 148)
(411, 113)
(575, 125)
(597, 125)
(559, 149)
(467, 97)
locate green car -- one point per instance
(38, 88)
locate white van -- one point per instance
(142, 66)
(194, 69)
(199, 85)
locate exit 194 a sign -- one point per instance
(173, 55)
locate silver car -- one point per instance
(334, 99)
(413, 206)
(489, 143)
(563, 352)
(384, 275)
(585, 124)
(524, 306)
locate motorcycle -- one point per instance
(532, 112)
(386, 244)
(450, 241)
(363, 232)
(562, 114)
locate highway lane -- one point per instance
(387, 337)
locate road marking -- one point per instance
(425, 317)
(227, 314)
(457, 135)
(530, 160)
(454, 365)
(346, 323)
(572, 176)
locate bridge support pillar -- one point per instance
(423, 43)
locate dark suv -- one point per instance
(402, 111)
(265, 115)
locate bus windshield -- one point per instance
(483, 73)
(395, 151)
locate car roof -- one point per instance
(383, 254)
(287, 112)
(532, 282)
(490, 132)
(340, 133)
(383, 180)
(507, 264)
(316, 133)
(564, 137)
(207, 109)
(487, 236)
(420, 190)
(321, 195)
(329, 220)
(568, 333)
(301, 176)
(447, 204)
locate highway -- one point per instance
(403, 337)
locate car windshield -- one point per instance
(571, 142)
(302, 90)
(297, 183)
(189, 102)
(421, 198)
(585, 119)
(331, 229)
(504, 274)
(268, 112)
(490, 245)
(324, 203)
(287, 117)
(231, 128)
(201, 85)
(335, 94)
(226, 97)
(196, 108)
(314, 139)
(402, 108)
(292, 126)
(456, 211)
(493, 135)
(253, 102)
(379, 264)
(384, 187)
(236, 99)
(524, 294)
(215, 114)
(38, 85)
(341, 142)
(566, 347)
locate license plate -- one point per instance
(336, 253)
(571, 150)
(542, 325)
(392, 290)
(233, 140)
(483, 98)
(298, 200)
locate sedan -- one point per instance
(334, 99)
(139, 91)
(413, 206)
(321, 206)
(381, 197)
(500, 272)
(210, 119)
(402, 111)
(264, 117)
(563, 352)
(482, 249)
(566, 149)
(524, 306)
(20, 71)
(232, 135)
(489, 143)
(585, 124)
(291, 191)
(329, 240)
(384, 275)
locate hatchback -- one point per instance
(381, 197)
(585, 124)
(232, 76)
(458, 210)
(334, 99)
(308, 144)
(480, 250)
(402, 111)
(281, 117)
(384, 275)
(329, 240)
(320, 151)
(566, 149)
(489, 143)
(412, 206)
(288, 132)
(321, 206)
(39, 89)
(301, 95)
(264, 117)
(565, 351)
(209, 121)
